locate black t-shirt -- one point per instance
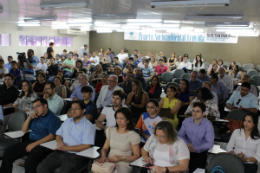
(8, 95)
(91, 109)
(49, 50)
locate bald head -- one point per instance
(193, 76)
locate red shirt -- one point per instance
(98, 87)
(160, 70)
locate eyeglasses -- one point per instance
(160, 137)
(238, 101)
(74, 109)
(36, 107)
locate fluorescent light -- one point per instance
(143, 21)
(130, 27)
(123, 30)
(29, 24)
(227, 24)
(103, 31)
(51, 4)
(78, 24)
(42, 18)
(108, 25)
(214, 16)
(60, 27)
(171, 21)
(166, 26)
(113, 16)
(188, 3)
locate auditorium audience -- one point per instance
(57, 60)
(161, 68)
(165, 150)
(107, 114)
(122, 56)
(104, 81)
(137, 100)
(38, 86)
(231, 66)
(105, 61)
(205, 96)
(141, 64)
(3, 71)
(68, 65)
(226, 79)
(222, 91)
(253, 89)
(198, 65)
(154, 89)
(64, 81)
(213, 69)
(245, 143)
(195, 83)
(185, 65)
(76, 83)
(49, 124)
(41, 66)
(127, 85)
(95, 77)
(111, 69)
(171, 101)
(64, 53)
(139, 76)
(28, 65)
(106, 93)
(70, 142)
(60, 89)
(171, 61)
(55, 102)
(220, 63)
(122, 142)
(79, 67)
(52, 70)
(110, 54)
(139, 57)
(153, 63)
(15, 72)
(198, 134)
(86, 62)
(83, 80)
(236, 74)
(147, 70)
(178, 61)
(117, 63)
(243, 99)
(203, 77)
(209, 86)
(118, 73)
(185, 95)
(8, 65)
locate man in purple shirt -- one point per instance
(198, 134)
(110, 54)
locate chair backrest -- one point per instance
(16, 121)
(64, 109)
(229, 162)
(206, 64)
(185, 76)
(256, 79)
(238, 63)
(258, 68)
(236, 115)
(257, 89)
(68, 92)
(177, 73)
(252, 73)
(247, 67)
(177, 80)
(252, 82)
(166, 77)
(251, 64)
(226, 63)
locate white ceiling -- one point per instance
(15, 10)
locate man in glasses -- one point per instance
(198, 133)
(243, 99)
(106, 93)
(43, 124)
(127, 85)
(55, 102)
(75, 134)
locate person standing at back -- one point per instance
(50, 50)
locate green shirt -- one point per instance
(69, 62)
(55, 104)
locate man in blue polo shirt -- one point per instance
(74, 135)
(43, 124)
(243, 99)
(8, 65)
(195, 83)
(29, 65)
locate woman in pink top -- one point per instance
(161, 68)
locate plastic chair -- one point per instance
(226, 63)
(252, 73)
(246, 67)
(235, 115)
(206, 64)
(251, 64)
(64, 108)
(68, 92)
(256, 79)
(239, 64)
(252, 82)
(258, 68)
(177, 80)
(177, 73)
(15, 123)
(166, 77)
(185, 76)
(229, 162)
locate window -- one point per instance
(30, 40)
(5, 39)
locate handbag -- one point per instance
(233, 125)
(166, 112)
(106, 167)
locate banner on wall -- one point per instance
(177, 37)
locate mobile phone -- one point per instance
(148, 165)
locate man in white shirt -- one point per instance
(3, 70)
(107, 114)
(83, 50)
(94, 61)
(185, 65)
(141, 64)
(41, 66)
(122, 56)
(148, 56)
(208, 85)
(226, 79)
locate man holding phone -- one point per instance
(43, 124)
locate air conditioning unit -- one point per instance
(72, 32)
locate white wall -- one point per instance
(15, 31)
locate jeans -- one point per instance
(17, 151)
(67, 73)
(69, 162)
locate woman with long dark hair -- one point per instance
(245, 143)
(77, 68)
(236, 74)
(198, 64)
(64, 81)
(39, 85)
(154, 90)
(171, 61)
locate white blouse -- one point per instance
(249, 147)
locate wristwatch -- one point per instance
(167, 170)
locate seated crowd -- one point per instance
(116, 104)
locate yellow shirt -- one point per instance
(171, 105)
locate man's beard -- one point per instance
(77, 117)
